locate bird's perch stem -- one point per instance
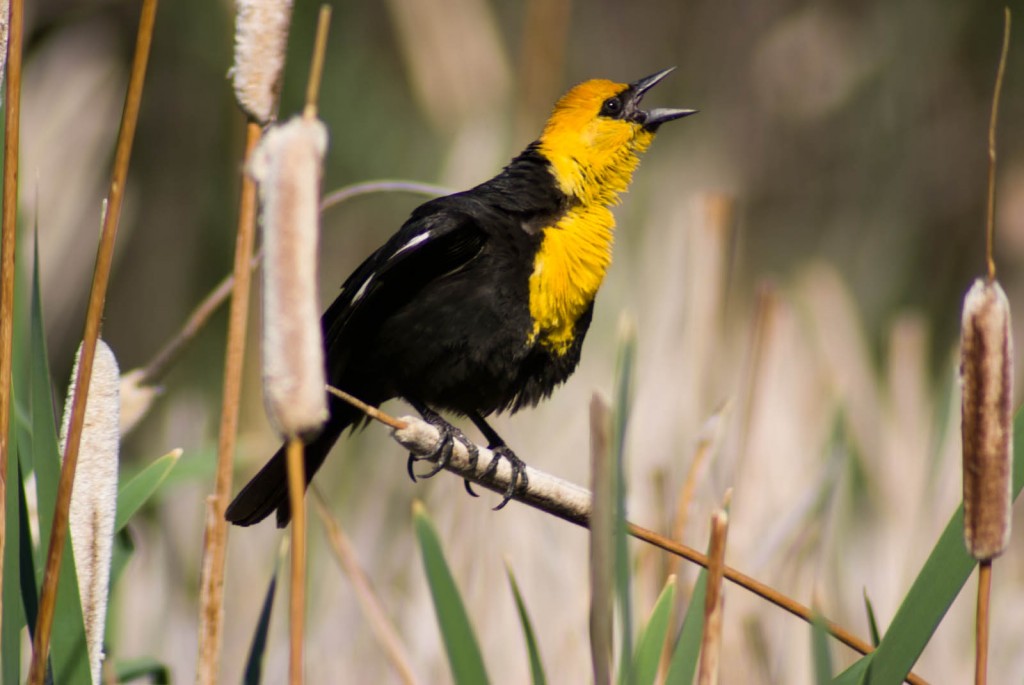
(572, 503)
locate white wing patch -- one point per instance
(412, 243)
(362, 289)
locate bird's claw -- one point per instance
(442, 454)
(518, 478)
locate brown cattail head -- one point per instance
(287, 168)
(261, 36)
(986, 379)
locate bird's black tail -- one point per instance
(268, 489)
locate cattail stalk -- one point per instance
(211, 581)
(602, 542)
(94, 498)
(261, 38)
(711, 642)
(14, 19)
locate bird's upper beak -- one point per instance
(654, 118)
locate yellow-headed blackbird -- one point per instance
(480, 302)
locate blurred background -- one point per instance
(794, 260)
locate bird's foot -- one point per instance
(519, 478)
(442, 454)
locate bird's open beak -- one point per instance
(656, 117)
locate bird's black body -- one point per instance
(439, 315)
(481, 300)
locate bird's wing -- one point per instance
(439, 238)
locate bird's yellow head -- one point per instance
(596, 133)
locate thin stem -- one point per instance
(12, 115)
(368, 598)
(93, 320)
(297, 599)
(355, 190)
(211, 593)
(982, 622)
(711, 640)
(372, 412)
(316, 69)
(154, 371)
(990, 220)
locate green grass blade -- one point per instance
(937, 585)
(820, 651)
(460, 642)
(856, 674)
(651, 642)
(620, 417)
(537, 676)
(876, 635)
(258, 647)
(68, 655)
(137, 491)
(686, 653)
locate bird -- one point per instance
(480, 302)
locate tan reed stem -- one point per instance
(93, 320)
(12, 116)
(211, 588)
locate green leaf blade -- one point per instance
(686, 653)
(537, 676)
(137, 491)
(651, 643)
(460, 641)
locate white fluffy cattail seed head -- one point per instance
(986, 379)
(261, 36)
(94, 496)
(287, 167)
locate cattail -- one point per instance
(261, 36)
(287, 168)
(5, 30)
(94, 496)
(986, 379)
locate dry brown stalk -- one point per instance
(94, 317)
(982, 622)
(992, 126)
(297, 596)
(211, 583)
(572, 503)
(12, 115)
(368, 598)
(711, 641)
(316, 69)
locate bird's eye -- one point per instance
(612, 107)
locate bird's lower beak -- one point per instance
(656, 117)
